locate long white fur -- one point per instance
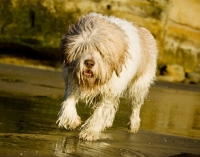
(123, 85)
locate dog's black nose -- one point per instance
(89, 63)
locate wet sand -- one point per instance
(30, 100)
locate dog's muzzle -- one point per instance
(89, 63)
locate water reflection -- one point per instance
(172, 111)
(71, 145)
(27, 114)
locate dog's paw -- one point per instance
(69, 124)
(133, 129)
(89, 135)
(73, 125)
(134, 126)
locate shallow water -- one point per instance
(172, 111)
(30, 100)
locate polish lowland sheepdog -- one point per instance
(105, 58)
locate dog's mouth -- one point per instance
(88, 73)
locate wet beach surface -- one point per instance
(30, 100)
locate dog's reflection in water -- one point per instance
(72, 145)
(66, 145)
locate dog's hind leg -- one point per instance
(68, 116)
(136, 96)
(101, 119)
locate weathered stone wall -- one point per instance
(182, 34)
(39, 24)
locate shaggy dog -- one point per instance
(105, 58)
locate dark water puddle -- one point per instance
(25, 114)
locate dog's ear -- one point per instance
(64, 51)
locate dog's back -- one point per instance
(141, 64)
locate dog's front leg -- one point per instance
(68, 116)
(101, 119)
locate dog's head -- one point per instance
(93, 49)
